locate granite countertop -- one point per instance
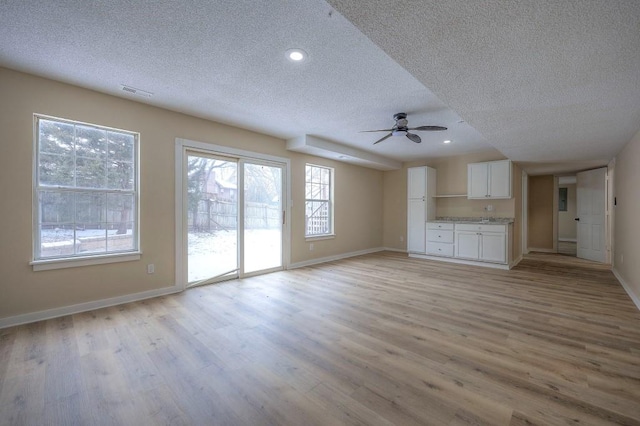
(492, 220)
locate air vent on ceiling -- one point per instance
(134, 91)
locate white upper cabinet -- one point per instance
(491, 179)
(416, 182)
(478, 178)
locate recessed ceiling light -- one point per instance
(296, 55)
(447, 141)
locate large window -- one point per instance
(86, 190)
(318, 201)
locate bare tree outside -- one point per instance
(212, 216)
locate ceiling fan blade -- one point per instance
(369, 131)
(380, 140)
(432, 128)
(415, 138)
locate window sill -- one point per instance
(320, 237)
(45, 265)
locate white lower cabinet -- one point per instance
(470, 243)
(493, 247)
(440, 239)
(487, 243)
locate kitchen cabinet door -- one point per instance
(499, 179)
(416, 182)
(468, 245)
(416, 225)
(478, 178)
(493, 247)
(489, 180)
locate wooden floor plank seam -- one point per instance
(378, 339)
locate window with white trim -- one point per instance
(318, 201)
(85, 190)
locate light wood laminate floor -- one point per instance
(373, 340)
(568, 248)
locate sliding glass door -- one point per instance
(212, 218)
(263, 217)
(233, 212)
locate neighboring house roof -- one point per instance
(226, 185)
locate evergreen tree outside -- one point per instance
(86, 186)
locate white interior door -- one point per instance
(591, 201)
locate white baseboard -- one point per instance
(634, 297)
(460, 261)
(394, 249)
(332, 258)
(542, 250)
(83, 307)
(568, 240)
(515, 262)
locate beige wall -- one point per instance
(567, 227)
(358, 210)
(516, 249)
(627, 211)
(395, 209)
(452, 180)
(540, 214)
(358, 194)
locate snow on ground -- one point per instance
(209, 253)
(60, 235)
(214, 253)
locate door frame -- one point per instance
(181, 146)
(242, 162)
(565, 179)
(525, 213)
(606, 225)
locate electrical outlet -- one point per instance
(151, 268)
(311, 247)
(401, 238)
(621, 259)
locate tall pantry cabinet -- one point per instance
(421, 190)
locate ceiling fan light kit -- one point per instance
(401, 129)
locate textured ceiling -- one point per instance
(226, 61)
(554, 85)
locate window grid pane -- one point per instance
(87, 190)
(318, 211)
